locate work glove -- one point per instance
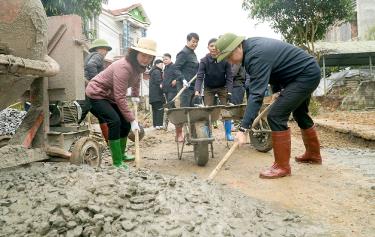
(229, 98)
(135, 100)
(197, 100)
(185, 83)
(134, 126)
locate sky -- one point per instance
(172, 20)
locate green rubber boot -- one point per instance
(116, 152)
(127, 157)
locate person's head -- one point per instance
(229, 47)
(212, 47)
(101, 46)
(142, 54)
(158, 63)
(192, 40)
(167, 59)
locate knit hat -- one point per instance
(157, 61)
(226, 44)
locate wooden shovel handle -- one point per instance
(222, 162)
(137, 153)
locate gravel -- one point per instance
(10, 119)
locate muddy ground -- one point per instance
(170, 197)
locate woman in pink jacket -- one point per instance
(107, 94)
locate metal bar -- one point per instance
(370, 59)
(33, 130)
(56, 38)
(206, 139)
(324, 75)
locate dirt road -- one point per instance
(339, 194)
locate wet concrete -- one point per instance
(47, 199)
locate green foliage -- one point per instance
(301, 22)
(84, 8)
(314, 106)
(371, 33)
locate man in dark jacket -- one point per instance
(217, 78)
(187, 64)
(156, 94)
(290, 71)
(170, 79)
(239, 78)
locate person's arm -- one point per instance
(200, 76)
(259, 78)
(229, 77)
(95, 62)
(121, 79)
(179, 64)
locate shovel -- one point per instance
(180, 92)
(136, 135)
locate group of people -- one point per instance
(233, 66)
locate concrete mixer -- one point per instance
(33, 61)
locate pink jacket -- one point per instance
(112, 84)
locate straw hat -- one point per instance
(99, 43)
(226, 44)
(146, 45)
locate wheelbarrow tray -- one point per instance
(195, 114)
(235, 112)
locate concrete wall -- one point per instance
(362, 98)
(366, 17)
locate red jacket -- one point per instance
(112, 84)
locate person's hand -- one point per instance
(185, 83)
(197, 100)
(134, 126)
(135, 100)
(241, 138)
(275, 95)
(229, 98)
(173, 83)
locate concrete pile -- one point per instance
(10, 119)
(64, 200)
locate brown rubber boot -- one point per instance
(312, 145)
(179, 134)
(281, 151)
(105, 132)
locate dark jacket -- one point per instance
(270, 61)
(156, 78)
(170, 73)
(187, 64)
(94, 63)
(240, 76)
(214, 74)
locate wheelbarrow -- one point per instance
(260, 132)
(198, 129)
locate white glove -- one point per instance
(134, 126)
(185, 83)
(135, 100)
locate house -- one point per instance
(121, 28)
(361, 28)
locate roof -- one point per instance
(346, 53)
(127, 11)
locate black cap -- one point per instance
(157, 61)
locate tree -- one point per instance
(84, 8)
(87, 9)
(301, 22)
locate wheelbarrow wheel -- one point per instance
(86, 151)
(201, 149)
(261, 140)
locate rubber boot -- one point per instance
(127, 157)
(105, 132)
(312, 145)
(179, 134)
(281, 150)
(228, 130)
(116, 152)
